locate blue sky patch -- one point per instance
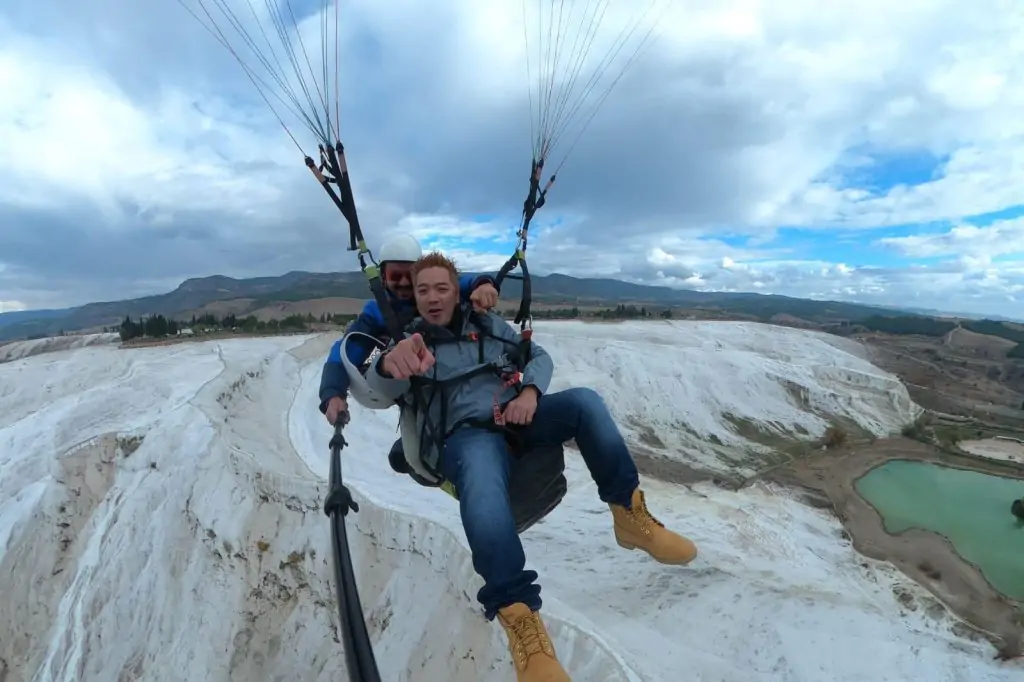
(1008, 213)
(879, 172)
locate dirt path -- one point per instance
(926, 557)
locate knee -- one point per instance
(587, 402)
(487, 520)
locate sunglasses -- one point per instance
(396, 275)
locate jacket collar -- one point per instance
(463, 318)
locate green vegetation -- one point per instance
(154, 327)
(923, 326)
(630, 312)
(160, 327)
(930, 326)
(1000, 329)
(994, 328)
(944, 434)
(549, 314)
(554, 290)
(619, 312)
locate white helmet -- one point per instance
(357, 385)
(401, 247)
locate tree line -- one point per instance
(155, 327)
(619, 312)
(631, 312)
(160, 326)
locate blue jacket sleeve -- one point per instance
(334, 381)
(469, 283)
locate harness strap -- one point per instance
(509, 368)
(513, 379)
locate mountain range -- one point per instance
(555, 289)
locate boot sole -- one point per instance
(626, 545)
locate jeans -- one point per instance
(477, 461)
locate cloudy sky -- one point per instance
(869, 151)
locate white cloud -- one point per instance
(972, 243)
(745, 116)
(72, 135)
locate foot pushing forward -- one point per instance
(533, 654)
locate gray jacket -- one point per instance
(471, 399)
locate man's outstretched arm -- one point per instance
(334, 381)
(383, 383)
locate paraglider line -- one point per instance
(316, 84)
(337, 68)
(529, 80)
(248, 72)
(335, 159)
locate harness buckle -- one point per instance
(526, 329)
(509, 379)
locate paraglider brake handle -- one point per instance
(339, 498)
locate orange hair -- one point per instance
(435, 259)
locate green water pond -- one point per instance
(969, 508)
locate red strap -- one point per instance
(510, 380)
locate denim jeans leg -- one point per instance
(580, 413)
(477, 462)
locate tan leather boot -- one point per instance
(530, 646)
(637, 528)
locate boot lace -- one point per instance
(529, 638)
(642, 514)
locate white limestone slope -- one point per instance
(202, 553)
(688, 385)
(15, 350)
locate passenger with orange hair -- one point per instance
(469, 385)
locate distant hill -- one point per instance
(190, 295)
(555, 289)
(931, 312)
(15, 316)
